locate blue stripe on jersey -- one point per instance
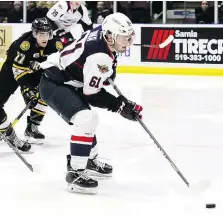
(98, 28)
(94, 143)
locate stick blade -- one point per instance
(197, 188)
(166, 42)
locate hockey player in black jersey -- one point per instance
(21, 68)
(73, 81)
(65, 17)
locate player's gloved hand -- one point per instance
(129, 109)
(59, 33)
(64, 36)
(30, 94)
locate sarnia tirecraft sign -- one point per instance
(190, 45)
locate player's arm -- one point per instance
(21, 68)
(85, 21)
(97, 69)
(21, 63)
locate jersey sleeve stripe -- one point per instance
(20, 67)
(21, 75)
(78, 65)
(78, 45)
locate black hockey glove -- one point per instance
(30, 94)
(64, 36)
(129, 109)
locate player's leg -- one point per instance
(69, 104)
(7, 87)
(95, 167)
(32, 133)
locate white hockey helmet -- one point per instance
(120, 28)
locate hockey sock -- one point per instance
(84, 127)
(94, 149)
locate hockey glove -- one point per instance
(64, 36)
(129, 109)
(30, 94)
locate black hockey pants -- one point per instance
(64, 99)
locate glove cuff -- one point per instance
(116, 103)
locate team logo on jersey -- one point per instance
(25, 45)
(59, 45)
(103, 68)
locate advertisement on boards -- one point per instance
(5, 40)
(190, 45)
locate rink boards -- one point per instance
(194, 51)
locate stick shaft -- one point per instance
(161, 45)
(147, 46)
(16, 152)
(16, 119)
(154, 139)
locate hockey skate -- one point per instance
(32, 133)
(16, 142)
(98, 169)
(78, 181)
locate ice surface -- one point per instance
(184, 113)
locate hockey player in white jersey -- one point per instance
(73, 80)
(64, 17)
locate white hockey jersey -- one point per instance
(86, 63)
(65, 17)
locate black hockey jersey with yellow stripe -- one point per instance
(22, 55)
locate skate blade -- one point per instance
(22, 152)
(28, 152)
(97, 175)
(32, 140)
(73, 188)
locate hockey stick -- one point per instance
(153, 138)
(3, 136)
(16, 152)
(162, 45)
(16, 119)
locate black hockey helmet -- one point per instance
(43, 25)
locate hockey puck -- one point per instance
(210, 205)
